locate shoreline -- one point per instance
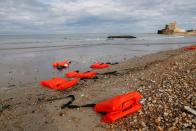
(169, 73)
(180, 34)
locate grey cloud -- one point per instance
(90, 15)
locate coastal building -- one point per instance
(172, 28)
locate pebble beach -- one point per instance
(165, 79)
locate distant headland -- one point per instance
(173, 29)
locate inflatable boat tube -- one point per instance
(61, 64)
(59, 83)
(99, 66)
(190, 48)
(77, 74)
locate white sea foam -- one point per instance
(159, 37)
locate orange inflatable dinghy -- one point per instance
(99, 65)
(77, 74)
(119, 106)
(61, 64)
(190, 48)
(59, 83)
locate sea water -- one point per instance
(27, 59)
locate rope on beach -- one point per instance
(110, 73)
(115, 63)
(70, 106)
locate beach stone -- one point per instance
(159, 128)
(186, 125)
(158, 120)
(143, 124)
(4, 107)
(183, 114)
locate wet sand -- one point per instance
(165, 79)
(25, 61)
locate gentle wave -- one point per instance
(159, 38)
(49, 40)
(94, 39)
(88, 45)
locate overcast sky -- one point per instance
(102, 16)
